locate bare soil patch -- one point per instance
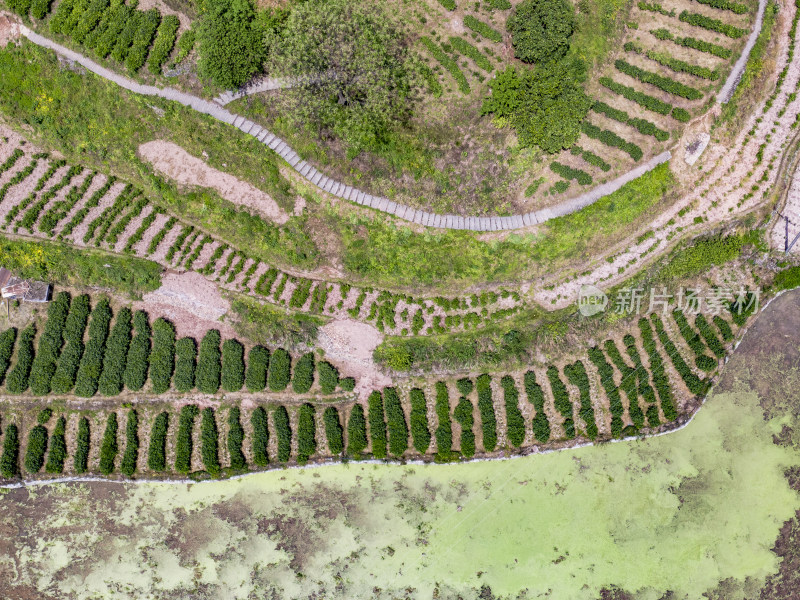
(187, 170)
(9, 29)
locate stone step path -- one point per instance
(340, 190)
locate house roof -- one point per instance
(28, 290)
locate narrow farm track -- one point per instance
(346, 192)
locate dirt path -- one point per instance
(187, 170)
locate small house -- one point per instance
(25, 290)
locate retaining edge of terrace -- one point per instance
(340, 190)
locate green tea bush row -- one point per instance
(109, 446)
(58, 448)
(209, 441)
(138, 360)
(126, 37)
(43, 180)
(266, 281)
(140, 231)
(162, 358)
(283, 431)
(420, 432)
(19, 376)
(663, 83)
(185, 364)
(431, 80)
(162, 233)
(165, 42)
(303, 377)
(91, 364)
(112, 237)
(49, 347)
(690, 42)
(235, 440)
(742, 308)
(627, 383)
(395, 423)
(37, 447)
(693, 340)
(576, 375)
(692, 381)
(447, 62)
(535, 394)
(93, 36)
(329, 378)
(207, 377)
(99, 226)
(58, 210)
(357, 432)
(486, 409)
(465, 386)
(483, 29)
(183, 442)
(74, 17)
(80, 216)
(711, 24)
(63, 11)
(660, 379)
(591, 158)
(642, 125)
(333, 431)
(479, 58)
(609, 138)
(178, 243)
(257, 366)
(306, 433)
(612, 392)
(18, 178)
(157, 451)
(582, 177)
(232, 365)
(11, 160)
(448, 4)
(40, 8)
(131, 455)
(319, 297)
(106, 41)
(734, 7)
(377, 424)
(722, 326)
(260, 437)
(515, 423)
(280, 370)
(464, 414)
(674, 64)
(112, 378)
(655, 7)
(561, 401)
(7, 339)
(301, 293)
(185, 45)
(9, 461)
(31, 215)
(89, 20)
(444, 429)
(82, 446)
(500, 4)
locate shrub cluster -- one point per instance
(711, 24)
(535, 394)
(655, 7)
(589, 157)
(58, 448)
(734, 7)
(257, 365)
(693, 340)
(377, 424)
(690, 42)
(448, 4)
(663, 83)
(283, 431)
(612, 392)
(444, 429)
(722, 325)
(91, 364)
(660, 379)
(82, 446)
(609, 138)
(561, 401)
(19, 375)
(37, 447)
(306, 433)
(576, 375)
(131, 455)
(207, 378)
(9, 461)
(108, 446)
(18, 178)
(59, 209)
(209, 441)
(232, 365)
(280, 370)
(582, 177)
(162, 358)
(692, 381)
(420, 432)
(235, 440)
(741, 308)
(479, 58)
(44, 364)
(644, 126)
(357, 432)
(185, 364)
(395, 423)
(260, 437)
(486, 409)
(138, 360)
(483, 29)
(679, 66)
(165, 41)
(303, 377)
(183, 441)
(7, 339)
(447, 62)
(464, 415)
(333, 431)
(627, 383)
(709, 336)
(301, 293)
(157, 451)
(112, 377)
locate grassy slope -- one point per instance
(571, 522)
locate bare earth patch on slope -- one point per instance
(176, 163)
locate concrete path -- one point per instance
(340, 190)
(736, 73)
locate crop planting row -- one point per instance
(665, 84)
(690, 42)
(674, 64)
(123, 355)
(609, 138)
(645, 101)
(448, 63)
(643, 126)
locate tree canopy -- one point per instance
(351, 69)
(541, 29)
(545, 104)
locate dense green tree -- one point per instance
(9, 462)
(157, 451)
(138, 359)
(303, 377)
(283, 431)
(541, 29)
(209, 363)
(257, 365)
(354, 75)
(333, 430)
(131, 455)
(209, 438)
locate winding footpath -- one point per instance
(331, 186)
